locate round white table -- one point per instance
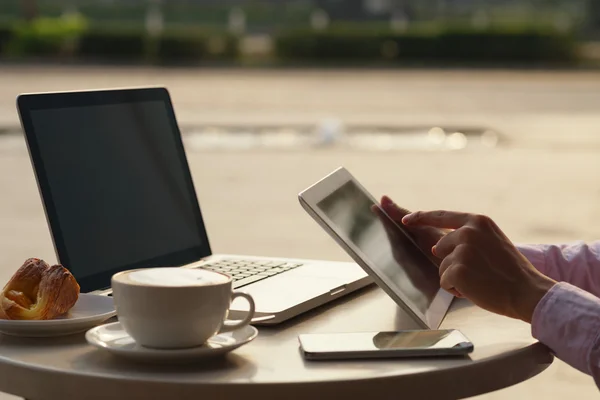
(271, 367)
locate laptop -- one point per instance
(118, 194)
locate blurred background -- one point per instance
(384, 32)
(488, 106)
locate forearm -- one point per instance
(567, 320)
(577, 263)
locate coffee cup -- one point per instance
(174, 308)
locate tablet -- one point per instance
(383, 248)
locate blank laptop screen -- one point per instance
(119, 186)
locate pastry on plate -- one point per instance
(38, 291)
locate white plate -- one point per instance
(113, 338)
(89, 311)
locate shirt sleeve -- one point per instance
(577, 263)
(567, 320)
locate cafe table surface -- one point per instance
(272, 366)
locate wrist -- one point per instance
(531, 295)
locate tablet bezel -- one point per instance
(310, 197)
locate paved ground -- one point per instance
(543, 187)
(559, 108)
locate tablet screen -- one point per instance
(396, 258)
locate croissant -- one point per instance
(38, 291)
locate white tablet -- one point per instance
(353, 218)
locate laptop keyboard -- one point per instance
(245, 272)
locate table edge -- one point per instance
(459, 379)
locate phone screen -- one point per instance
(375, 341)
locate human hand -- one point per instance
(482, 264)
(424, 236)
(417, 272)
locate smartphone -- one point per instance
(409, 343)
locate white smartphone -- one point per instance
(409, 343)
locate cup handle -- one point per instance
(229, 326)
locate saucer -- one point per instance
(113, 338)
(89, 311)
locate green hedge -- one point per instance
(441, 46)
(5, 35)
(173, 48)
(43, 36)
(23, 41)
(360, 43)
(169, 48)
(120, 45)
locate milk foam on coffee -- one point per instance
(174, 277)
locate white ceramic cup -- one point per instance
(173, 308)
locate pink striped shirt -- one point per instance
(567, 319)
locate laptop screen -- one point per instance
(115, 183)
